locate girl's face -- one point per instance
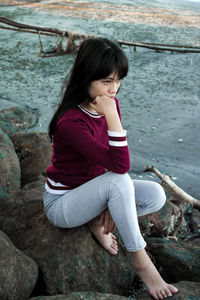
(108, 86)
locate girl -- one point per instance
(88, 181)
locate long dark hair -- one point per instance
(96, 59)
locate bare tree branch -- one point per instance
(181, 194)
(25, 26)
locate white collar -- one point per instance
(88, 112)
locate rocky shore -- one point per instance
(40, 261)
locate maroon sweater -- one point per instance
(83, 149)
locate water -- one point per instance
(160, 96)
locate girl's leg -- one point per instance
(81, 205)
(146, 270)
(149, 196)
(116, 191)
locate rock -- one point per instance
(9, 168)
(83, 296)
(34, 151)
(195, 221)
(69, 259)
(164, 222)
(18, 213)
(193, 241)
(18, 274)
(14, 117)
(179, 260)
(188, 290)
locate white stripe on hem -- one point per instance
(57, 192)
(117, 133)
(56, 184)
(118, 144)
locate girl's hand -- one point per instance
(107, 221)
(104, 105)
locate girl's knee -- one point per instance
(159, 196)
(120, 179)
(122, 182)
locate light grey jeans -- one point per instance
(125, 198)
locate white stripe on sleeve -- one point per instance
(118, 144)
(117, 133)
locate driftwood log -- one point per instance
(72, 37)
(171, 186)
(52, 31)
(58, 49)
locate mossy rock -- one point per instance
(18, 274)
(180, 261)
(83, 296)
(70, 260)
(14, 118)
(34, 151)
(188, 290)
(9, 167)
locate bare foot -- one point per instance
(148, 273)
(108, 241)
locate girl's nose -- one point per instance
(114, 86)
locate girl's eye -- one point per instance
(107, 81)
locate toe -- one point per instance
(113, 236)
(114, 247)
(114, 242)
(159, 295)
(113, 251)
(168, 292)
(164, 294)
(172, 289)
(155, 295)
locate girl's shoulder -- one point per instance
(70, 121)
(70, 115)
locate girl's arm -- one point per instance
(106, 106)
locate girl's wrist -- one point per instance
(113, 121)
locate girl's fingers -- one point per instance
(106, 218)
(107, 223)
(113, 226)
(110, 225)
(101, 219)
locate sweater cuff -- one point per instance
(117, 139)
